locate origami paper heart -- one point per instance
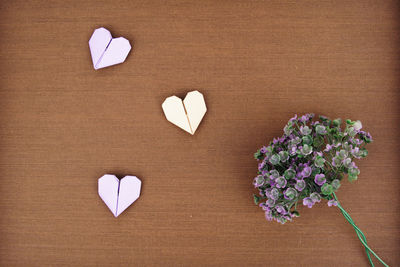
(119, 195)
(187, 114)
(107, 51)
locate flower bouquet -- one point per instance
(307, 164)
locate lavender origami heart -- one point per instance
(107, 51)
(119, 194)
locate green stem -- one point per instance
(329, 164)
(360, 235)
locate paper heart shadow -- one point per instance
(118, 194)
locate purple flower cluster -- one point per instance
(307, 163)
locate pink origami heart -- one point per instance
(107, 51)
(119, 194)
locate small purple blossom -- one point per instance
(336, 162)
(305, 130)
(332, 202)
(357, 125)
(328, 148)
(295, 141)
(284, 156)
(357, 141)
(294, 118)
(259, 181)
(270, 203)
(290, 193)
(280, 182)
(356, 152)
(288, 130)
(274, 159)
(306, 150)
(280, 209)
(306, 172)
(261, 192)
(307, 201)
(261, 165)
(268, 192)
(273, 174)
(306, 117)
(264, 206)
(300, 185)
(342, 154)
(320, 129)
(368, 136)
(274, 193)
(268, 215)
(292, 150)
(303, 118)
(347, 162)
(335, 184)
(319, 161)
(315, 197)
(320, 179)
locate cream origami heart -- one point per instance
(107, 51)
(119, 194)
(186, 114)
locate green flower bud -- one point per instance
(315, 171)
(268, 151)
(327, 189)
(352, 178)
(274, 159)
(353, 171)
(336, 122)
(353, 174)
(318, 141)
(306, 150)
(320, 129)
(323, 118)
(347, 162)
(351, 131)
(284, 156)
(305, 130)
(319, 162)
(274, 174)
(258, 155)
(342, 154)
(290, 193)
(288, 129)
(307, 140)
(364, 152)
(336, 161)
(335, 184)
(289, 174)
(296, 213)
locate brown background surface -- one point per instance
(63, 125)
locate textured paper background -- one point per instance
(63, 125)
